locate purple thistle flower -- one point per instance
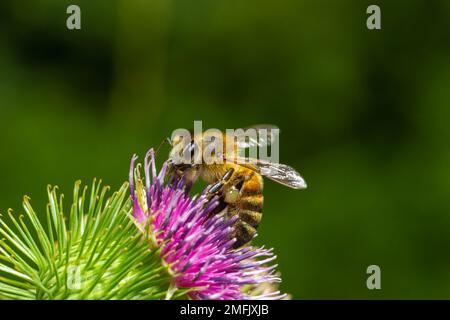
(195, 245)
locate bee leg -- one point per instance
(214, 188)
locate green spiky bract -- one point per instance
(94, 252)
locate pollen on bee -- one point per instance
(232, 195)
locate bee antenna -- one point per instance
(167, 140)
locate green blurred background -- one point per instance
(364, 116)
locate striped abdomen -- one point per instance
(249, 208)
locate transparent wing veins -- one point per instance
(277, 172)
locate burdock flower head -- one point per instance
(92, 249)
(195, 244)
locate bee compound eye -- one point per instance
(190, 152)
(192, 148)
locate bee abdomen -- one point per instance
(249, 209)
(251, 217)
(250, 191)
(252, 187)
(243, 233)
(251, 203)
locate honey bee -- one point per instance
(236, 180)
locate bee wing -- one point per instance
(266, 134)
(277, 172)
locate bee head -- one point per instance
(183, 156)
